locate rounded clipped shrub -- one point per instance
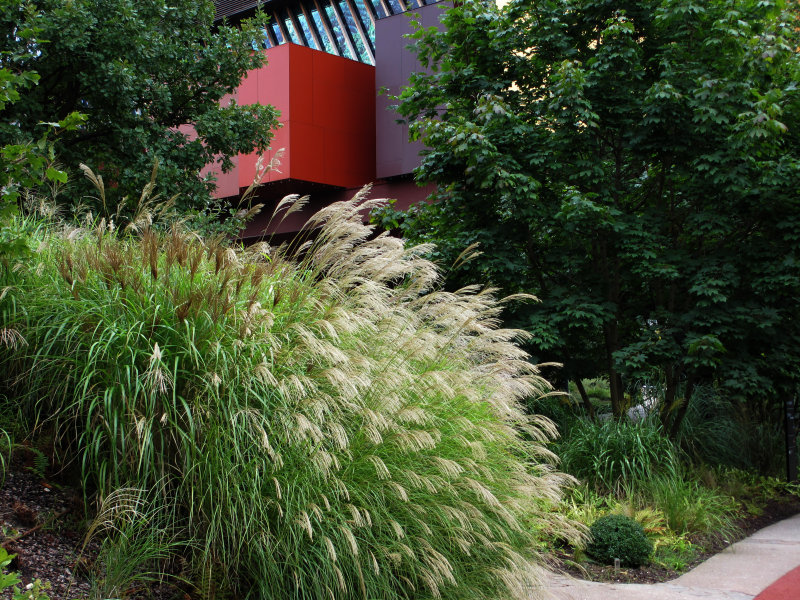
(618, 536)
(328, 426)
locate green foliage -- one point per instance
(613, 456)
(595, 388)
(752, 489)
(26, 171)
(675, 552)
(711, 431)
(696, 512)
(25, 165)
(141, 71)
(692, 508)
(720, 431)
(633, 165)
(40, 462)
(10, 580)
(618, 536)
(324, 426)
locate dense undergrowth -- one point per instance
(688, 493)
(320, 423)
(323, 421)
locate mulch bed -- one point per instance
(775, 510)
(40, 526)
(43, 524)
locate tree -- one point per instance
(139, 70)
(24, 165)
(633, 164)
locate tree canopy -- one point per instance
(633, 164)
(139, 71)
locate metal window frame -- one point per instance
(322, 31)
(363, 30)
(345, 45)
(273, 41)
(337, 9)
(282, 28)
(344, 29)
(287, 16)
(386, 8)
(295, 17)
(312, 26)
(323, 17)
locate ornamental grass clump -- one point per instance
(618, 456)
(323, 423)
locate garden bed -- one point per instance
(43, 525)
(774, 510)
(53, 553)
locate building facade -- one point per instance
(332, 66)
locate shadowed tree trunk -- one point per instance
(616, 389)
(587, 404)
(672, 376)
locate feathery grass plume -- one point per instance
(328, 424)
(6, 446)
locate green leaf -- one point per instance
(56, 175)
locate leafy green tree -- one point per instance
(140, 70)
(633, 164)
(28, 164)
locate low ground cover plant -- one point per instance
(322, 423)
(11, 583)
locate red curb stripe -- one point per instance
(785, 588)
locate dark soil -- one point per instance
(43, 523)
(40, 526)
(773, 511)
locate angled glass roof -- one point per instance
(341, 27)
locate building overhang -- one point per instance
(327, 117)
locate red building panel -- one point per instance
(327, 106)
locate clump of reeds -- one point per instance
(324, 423)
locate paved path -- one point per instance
(740, 572)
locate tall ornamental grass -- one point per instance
(617, 456)
(328, 426)
(721, 432)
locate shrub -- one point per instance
(618, 536)
(324, 426)
(612, 455)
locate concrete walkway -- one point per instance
(740, 572)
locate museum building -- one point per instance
(327, 64)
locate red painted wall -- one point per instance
(327, 106)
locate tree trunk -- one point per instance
(587, 404)
(617, 394)
(672, 376)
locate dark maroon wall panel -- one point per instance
(394, 64)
